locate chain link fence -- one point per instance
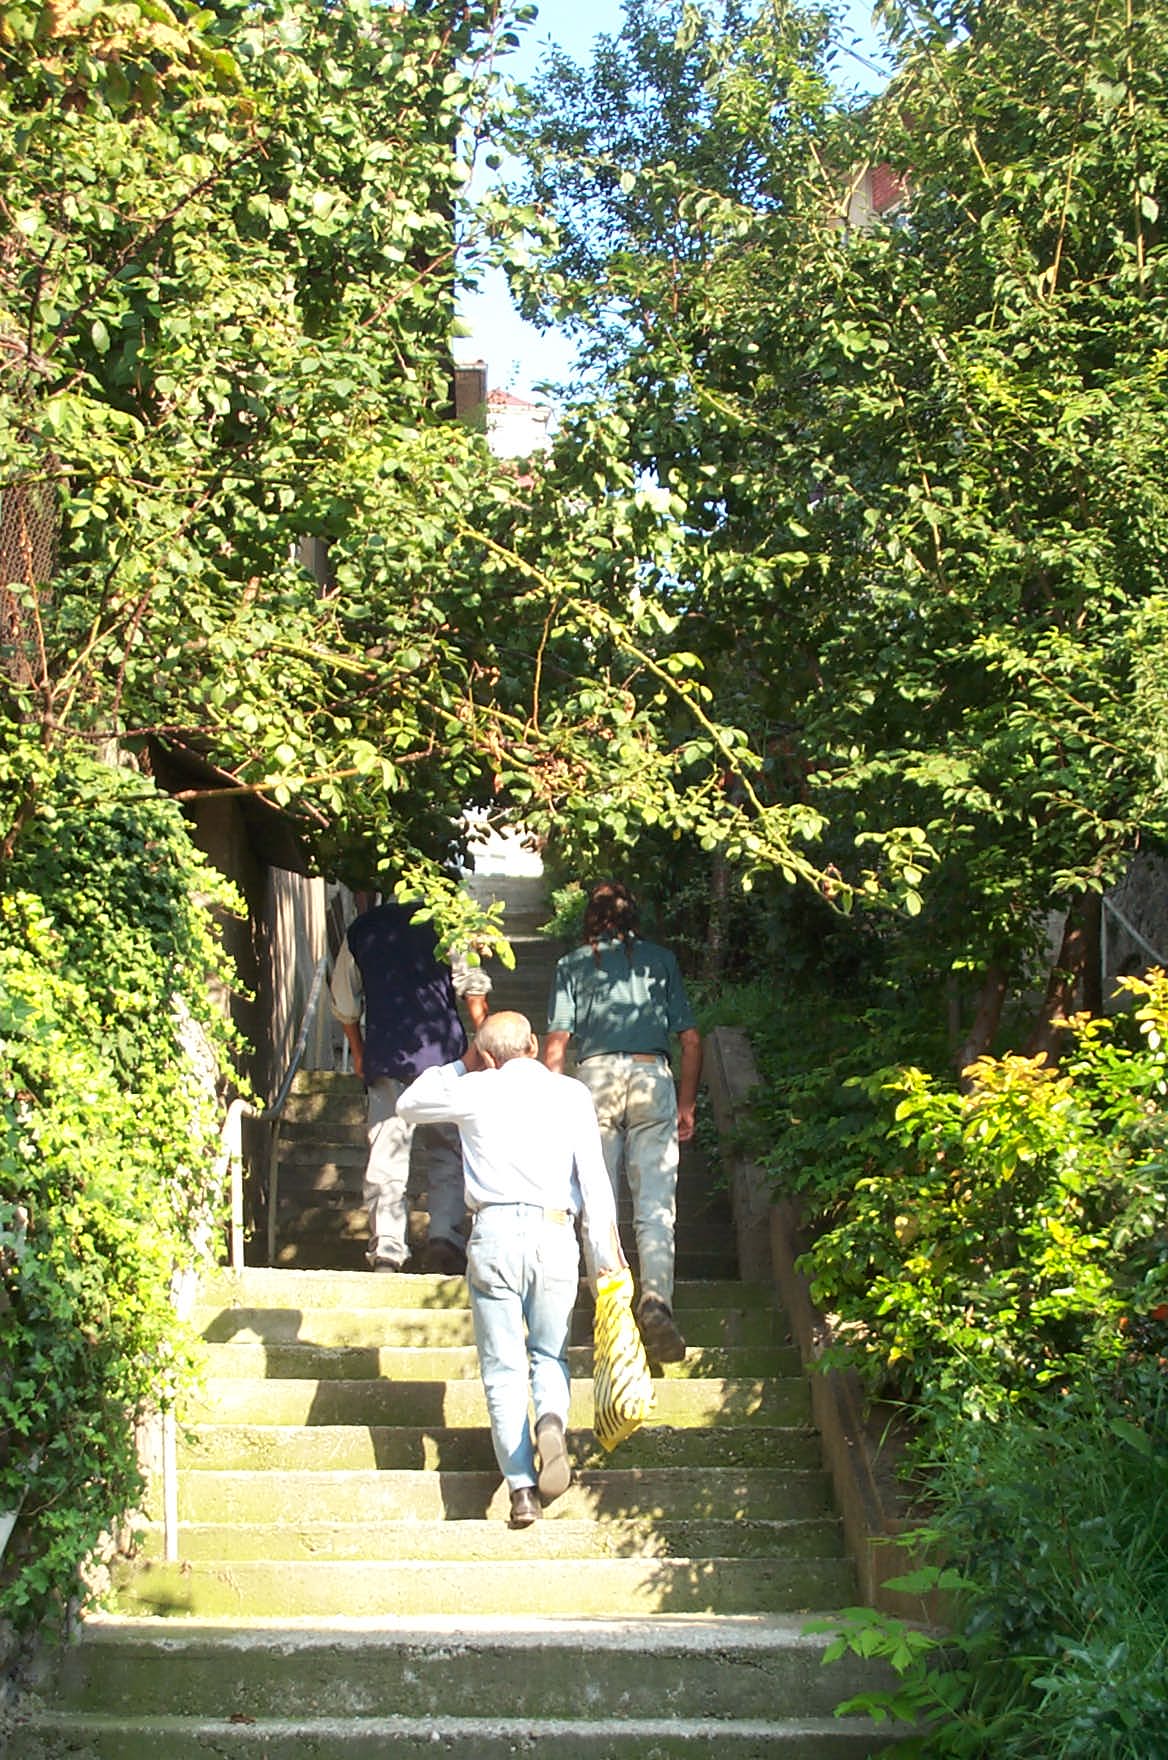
(30, 525)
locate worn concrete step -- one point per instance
(442, 1328)
(685, 1404)
(316, 1589)
(467, 1448)
(325, 1198)
(320, 1133)
(320, 1249)
(264, 1286)
(302, 1360)
(559, 1537)
(352, 1738)
(335, 1169)
(332, 1166)
(644, 1494)
(749, 1667)
(313, 1182)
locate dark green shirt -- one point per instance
(618, 1003)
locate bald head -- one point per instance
(506, 1035)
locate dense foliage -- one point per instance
(226, 298)
(898, 367)
(110, 1053)
(1060, 1636)
(916, 450)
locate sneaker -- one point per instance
(555, 1469)
(386, 1265)
(663, 1342)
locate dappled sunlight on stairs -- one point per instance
(347, 1584)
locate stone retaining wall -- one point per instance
(770, 1240)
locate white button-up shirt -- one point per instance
(528, 1137)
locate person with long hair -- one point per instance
(622, 998)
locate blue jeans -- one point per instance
(523, 1271)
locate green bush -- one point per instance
(1058, 1525)
(997, 1256)
(1010, 1225)
(109, 1052)
(817, 1127)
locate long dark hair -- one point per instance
(611, 912)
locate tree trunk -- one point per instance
(1062, 986)
(1092, 997)
(990, 1002)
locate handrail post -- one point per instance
(273, 1187)
(237, 1210)
(170, 1488)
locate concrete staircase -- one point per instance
(347, 1584)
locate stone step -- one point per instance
(705, 1328)
(302, 1360)
(352, 1738)
(339, 1108)
(759, 1667)
(557, 1538)
(261, 1447)
(328, 1197)
(322, 1249)
(679, 1403)
(267, 1287)
(314, 1589)
(618, 1494)
(337, 1166)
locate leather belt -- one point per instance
(634, 1056)
(558, 1216)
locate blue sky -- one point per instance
(517, 355)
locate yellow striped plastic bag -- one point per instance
(622, 1387)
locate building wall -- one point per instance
(1141, 899)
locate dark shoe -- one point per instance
(663, 1342)
(555, 1469)
(386, 1265)
(524, 1507)
(444, 1259)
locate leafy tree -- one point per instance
(918, 459)
(225, 302)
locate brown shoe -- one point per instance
(555, 1469)
(663, 1342)
(444, 1259)
(524, 1507)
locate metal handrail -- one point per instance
(1153, 953)
(230, 1162)
(231, 1152)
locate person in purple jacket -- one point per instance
(388, 968)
